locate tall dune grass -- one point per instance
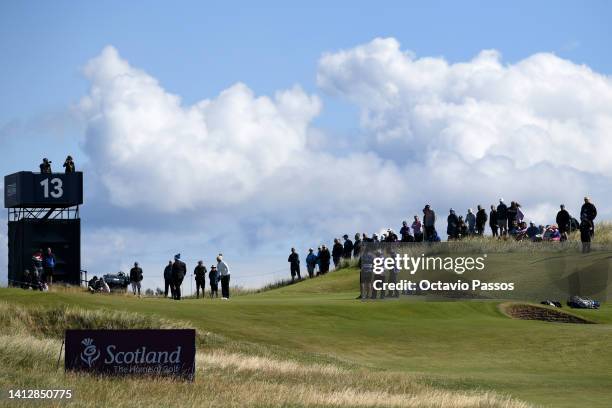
(30, 343)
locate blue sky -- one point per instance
(200, 48)
(197, 50)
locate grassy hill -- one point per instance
(313, 344)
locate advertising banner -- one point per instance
(168, 353)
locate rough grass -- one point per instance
(30, 342)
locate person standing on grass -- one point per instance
(511, 214)
(348, 248)
(452, 228)
(294, 265)
(462, 228)
(429, 222)
(481, 220)
(168, 280)
(365, 277)
(563, 222)
(470, 220)
(393, 275)
(200, 278)
(37, 265)
(493, 221)
(520, 215)
(405, 235)
(337, 251)
(586, 234)
(324, 260)
(502, 218)
(136, 278)
(311, 262)
(224, 274)
(416, 229)
(357, 246)
(49, 266)
(213, 279)
(589, 212)
(378, 278)
(179, 270)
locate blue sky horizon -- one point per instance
(248, 129)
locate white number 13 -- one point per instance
(56, 184)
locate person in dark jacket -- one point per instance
(213, 280)
(357, 246)
(470, 220)
(502, 218)
(45, 166)
(199, 273)
(533, 231)
(511, 213)
(380, 278)
(136, 278)
(589, 212)
(493, 221)
(337, 252)
(462, 227)
(324, 260)
(311, 262)
(69, 165)
(294, 264)
(37, 266)
(365, 277)
(586, 234)
(417, 227)
(563, 222)
(429, 223)
(481, 220)
(405, 234)
(49, 266)
(452, 225)
(168, 280)
(347, 252)
(391, 236)
(179, 270)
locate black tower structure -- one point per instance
(43, 212)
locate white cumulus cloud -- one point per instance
(151, 150)
(537, 130)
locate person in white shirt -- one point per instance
(224, 274)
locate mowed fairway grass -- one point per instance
(451, 345)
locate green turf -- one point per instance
(457, 345)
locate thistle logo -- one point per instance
(90, 353)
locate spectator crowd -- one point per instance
(505, 222)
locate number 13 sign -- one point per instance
(56, 191)
(27, 189)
